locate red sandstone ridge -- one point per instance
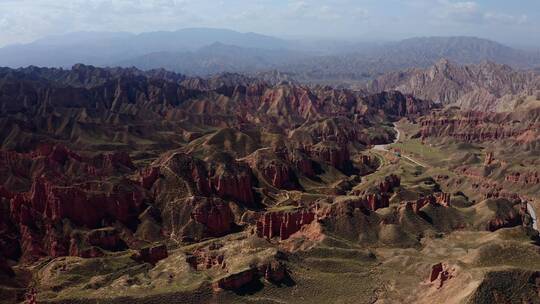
(366, 204)
(390, 182)
(206, 259)
(149, 176)
(514, 216)
(58, 164)
(440, 273)
(331, 153)
(273, 167)
(39, 213)
(224, 177)
(489, 159)
(273, 271)
(524, 178)
(236, 281)
(283, 224)
(214, 214)
(196, 218)
(234, 185)
(519, 127)
(299, 159)
(438, 199)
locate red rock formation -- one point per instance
(283, 224)
(443, 199)
(49, 205)
(518, 126)
(206, 259)
(524, 178)
(435, 271)
(437, 199)
(389, 183)
(234, 186)
(299, 159)
(214, 214)
(91, 252)
(227, 179)
(335, 155)
(512, 218)
(236, 281)
(83, 208)
(440, 272)
(152, 254)
(149, 176)
(274, 271)
(489, 159)
(5, 193)
(278, 175)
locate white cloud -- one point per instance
(459, 11)
(26, 20)
(505, 18)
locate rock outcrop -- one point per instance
(151, 254)
(518, 127)
(524, 178)
(214, 214)
(226, 178)
(40, 213)
(283, 224)
(274, 272)
(438, 199)
(440, 273)
(331, 153)
(508, 216)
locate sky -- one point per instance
(514, 22)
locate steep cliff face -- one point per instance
(215, 215)
(331, 153)
(41, 213)
(508, 216)
(283, 224)
(195, 218)
(55, 190)
(276, 168)
(151, 254)
(59, 164)
(224, 177)
(520, 127)
(524, 178)
(437, 199)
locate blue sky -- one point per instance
(510, 21)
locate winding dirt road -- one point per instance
(385, 148)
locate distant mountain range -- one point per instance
(370, 62)
(110, 48)
(202, 51)
(486, 86)
(216, 58)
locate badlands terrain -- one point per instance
(125, 186)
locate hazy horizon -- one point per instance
(24, 21)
